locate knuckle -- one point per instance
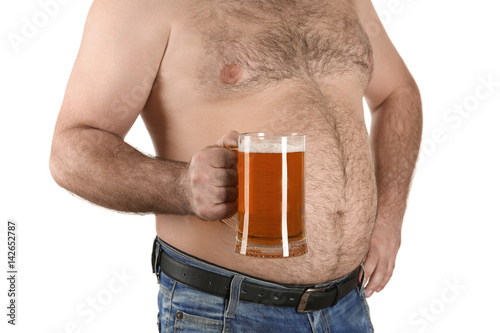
(369, 268)
(198, 199)
(194, 178)
(195, 159)
(217, 152)
(198, 177)
(200, 157)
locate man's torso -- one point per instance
(281, 66)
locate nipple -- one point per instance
(231, 74)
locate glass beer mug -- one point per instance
(271, 195)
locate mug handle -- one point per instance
(232, 222)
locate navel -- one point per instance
(231, 74)
(369, 60)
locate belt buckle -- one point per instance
(301, 308)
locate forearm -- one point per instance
(395, 137)
(101, 168)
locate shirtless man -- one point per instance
(196, 70)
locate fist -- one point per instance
(212, 180)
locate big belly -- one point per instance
(340, 194)
(340, 204)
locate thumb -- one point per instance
(228, 140)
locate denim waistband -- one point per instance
(202, 264)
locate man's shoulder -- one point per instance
(128, 21)
(132, 12)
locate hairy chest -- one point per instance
(249, 44)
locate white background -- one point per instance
(69, 251)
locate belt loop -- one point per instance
(361, 285)
(363, 275)
(155, 258)
(234, 298)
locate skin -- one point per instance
(197, 80)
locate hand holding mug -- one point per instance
(212, 180)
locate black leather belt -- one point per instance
(303, 298)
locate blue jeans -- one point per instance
(184, 309)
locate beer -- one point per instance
(271, 202)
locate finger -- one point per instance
(227, 209)
(228, 140)
(231, 194)
(385, 279)
(222, 158)
(223, 195)
(219, 211)
(375, 283)
(225, 177)
(370, 264)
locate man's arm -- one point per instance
(121, 51)
(396, 131)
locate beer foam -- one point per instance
(270, 148)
